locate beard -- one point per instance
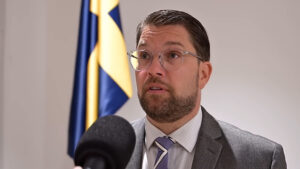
(170, 108)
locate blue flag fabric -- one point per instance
(102, 82)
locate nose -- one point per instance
(156, 68)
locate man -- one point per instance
(172, 67)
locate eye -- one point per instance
(172, 55)
(144, 55)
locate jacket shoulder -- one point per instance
(253, 149)
(136, 157)
(137, 124)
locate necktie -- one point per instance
(163, 144)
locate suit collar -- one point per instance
(207, 149)
(210, 127)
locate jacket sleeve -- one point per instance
(278, 159)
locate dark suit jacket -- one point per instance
(221, 146)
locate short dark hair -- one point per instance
(195, 29)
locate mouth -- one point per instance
(156, 89)
(155, 86)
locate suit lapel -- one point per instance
(137, 155)
(207, 148)
(212, 150)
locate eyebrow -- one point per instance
(168, 43)
(143, 44)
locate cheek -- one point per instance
(139, 78)
(185, 84)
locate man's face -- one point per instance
(165, 95)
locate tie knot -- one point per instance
(165, 142)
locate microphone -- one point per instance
(107, 144)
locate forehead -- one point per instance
(153, 36)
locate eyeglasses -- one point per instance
(170, 59)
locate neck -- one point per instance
(170, 127)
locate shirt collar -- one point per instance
(186, 135)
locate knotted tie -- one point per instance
(163, 144)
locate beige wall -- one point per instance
(40, 39)
(255, 84)
(62, 30)
(24, 84)
(2, 16)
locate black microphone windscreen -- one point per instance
(111, 138)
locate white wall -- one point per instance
(255, 83)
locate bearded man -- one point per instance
(172, 66)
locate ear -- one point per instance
(205, 70)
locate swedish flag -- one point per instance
(102, 81)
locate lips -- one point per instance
(155, 88)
